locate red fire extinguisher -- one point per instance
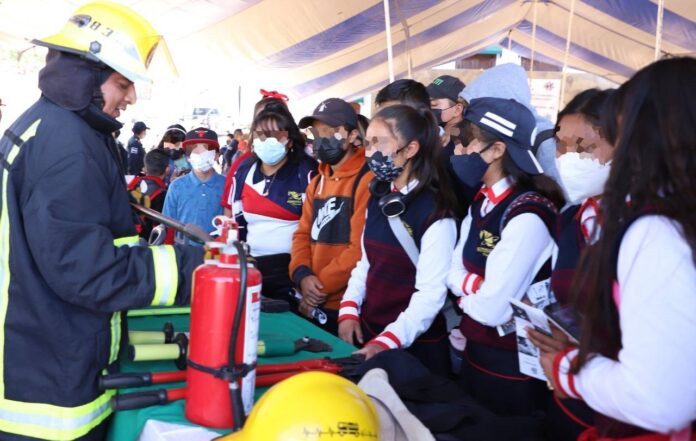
(224, 332)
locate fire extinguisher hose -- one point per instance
(235, 391)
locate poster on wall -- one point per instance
(546, 96)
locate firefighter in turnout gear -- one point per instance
(70, 263)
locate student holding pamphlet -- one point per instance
(635, 362)
(504, 249)
(584, 161)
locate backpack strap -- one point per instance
(135, 182)
(363, 170)
(405, 239)
(541, 137)
(361, 173)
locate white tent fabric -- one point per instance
(313, 49)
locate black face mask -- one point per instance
(438, 116)
(329, 150)
(470, 168)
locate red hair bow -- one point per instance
(274, 94)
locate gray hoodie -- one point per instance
(510, 81)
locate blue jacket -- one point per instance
(69, 262)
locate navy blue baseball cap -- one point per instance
(513, 123)
(333, 112)
(139, 127)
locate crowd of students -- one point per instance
(464, 195)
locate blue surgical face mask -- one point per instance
(270, 151)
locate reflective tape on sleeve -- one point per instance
(166, 275)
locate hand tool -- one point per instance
(266, 374)
(176, 351)
(137, 400)
(194, 232)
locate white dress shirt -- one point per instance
(525, 245)
(653, 383)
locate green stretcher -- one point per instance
(127, 425)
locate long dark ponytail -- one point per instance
(651, 122)
(418, 124)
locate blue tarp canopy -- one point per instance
(311, 49)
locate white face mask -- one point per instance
(202, 162)
(582, 177)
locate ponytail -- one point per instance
(541, 184)
(419, 124)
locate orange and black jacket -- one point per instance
(327, 240)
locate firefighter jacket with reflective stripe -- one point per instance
(69, 262)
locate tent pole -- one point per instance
(567, 50)
(509, 40)
(407, 39)
(658, 29)
(534, 26)
(390, 55)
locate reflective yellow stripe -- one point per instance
(37, 420)
(5, 272)
(51, 422)
(115, 336)
(166, 275)
(30, 132)
(5, 247)
(130, 241)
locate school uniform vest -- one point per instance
(391, 279)
(484, 234)
(567, 416)
(571, 242)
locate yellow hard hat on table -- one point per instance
(112, 34)
(311, 406)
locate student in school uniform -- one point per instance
(635, 362)
(505, 245)
(584, 157)
(396, 291)
(267, 195)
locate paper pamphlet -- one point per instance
(539, 296)
(526, 316)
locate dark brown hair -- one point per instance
(654, 168)
(418, 124)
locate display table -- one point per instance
(127, 425)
